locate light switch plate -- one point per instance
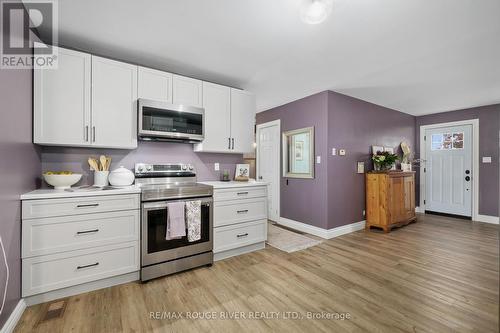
(361, 167)
(216, 167)
(318, 159)
(342, 152)
(334, 151)
(486, 159)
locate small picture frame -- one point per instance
(389, 150)
(375, 149)
(242, 173)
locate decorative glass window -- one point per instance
(447, 141)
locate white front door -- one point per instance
(268, 164)
(448, 170)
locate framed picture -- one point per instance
(242, 173)
(389, 150)
(299, 150)
(375, 149)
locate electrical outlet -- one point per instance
(216, 167)
(364, 213)
(318, 159)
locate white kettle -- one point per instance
(121, 177)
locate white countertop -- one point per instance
(233, 184)
(51, 193)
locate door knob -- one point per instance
(467, 178)
(467, 172)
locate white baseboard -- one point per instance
(418, 210)
(320, 232)
(487, 219)
(14, 317)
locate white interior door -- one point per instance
(448, 170)
(268, 164)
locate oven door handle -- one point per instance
(163, 204)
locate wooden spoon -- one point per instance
(102, 159)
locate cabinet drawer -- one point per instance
(240, 193)
(237, 211)
(46, 273)
(238, 235)
(75, 206)
(60, 234)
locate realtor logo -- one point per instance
(23, 24)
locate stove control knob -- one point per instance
(184, 167)
(140, 168)
(149, 167)
(190, 167)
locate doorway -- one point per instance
(268, 164)
(450, 172)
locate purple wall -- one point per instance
(75, 159)
(488, 146)
(356, 125)
(305, 200)
(19, 171)
(335, 197)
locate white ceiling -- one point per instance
(415, 56)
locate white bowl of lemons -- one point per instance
(61, 180)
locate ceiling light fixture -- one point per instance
(315, 11)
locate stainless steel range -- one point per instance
(161, 184)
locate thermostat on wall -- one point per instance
(342, 152)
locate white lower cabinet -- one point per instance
(72, 241)
(240, 220)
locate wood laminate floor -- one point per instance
(437, 275)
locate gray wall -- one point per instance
(305, 200)
(75, 159)
(488, 146)
(356, 125)
(19, 171)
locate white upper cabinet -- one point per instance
(154, 84)
(242, 121)
(114, 103)
(187, 91)
(61, 101)
(217, 105)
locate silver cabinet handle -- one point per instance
(87, 205)
(93, 133)
(86, 266)
(242, 193)
(87, 232)
(233, 143)
(242, 235)
(229, 140)
(242, 211)
(86, 134)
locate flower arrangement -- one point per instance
(384, 160)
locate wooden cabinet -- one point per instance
(187, 91)
(61, 101)
(155, 85)
(242, 120)
(114, 104)
(390, 199)
(87, 101)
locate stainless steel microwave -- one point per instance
(160, 121)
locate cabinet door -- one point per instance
(154, 84)
(409, 196)
(242, 121)
(397, 195)
(217, 104)
(187, 91)
(114, 104)
(61, 101)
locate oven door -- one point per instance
(156, 249)
(159, 120)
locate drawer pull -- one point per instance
(242, 235)
(87, 232)
(242, 193)
(242, 211)
(88, 205)
(86, 266)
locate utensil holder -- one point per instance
(101, 178)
